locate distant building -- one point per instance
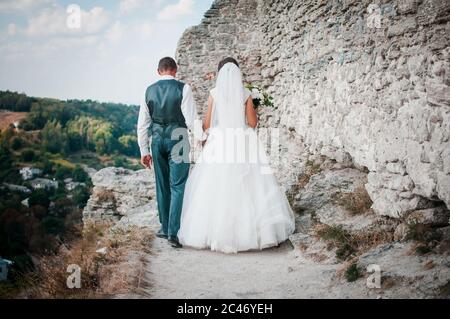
(43, 183)
(17, 188)
(72, 185)
(26, 202)
(29, 172)
(4, 264)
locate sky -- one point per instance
(105, 50)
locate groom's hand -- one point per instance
(147, 161)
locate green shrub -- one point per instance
(63, 172)
(40, 197)
(339, 238)
(16, 143)
(353, 273)
(28, 155)
(52, 225)
(79, 175)
(80, 195)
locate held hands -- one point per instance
(147, 161)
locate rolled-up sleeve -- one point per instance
(143, 126)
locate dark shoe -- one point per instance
(161, 234)
(174, 242)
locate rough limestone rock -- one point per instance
(319, 196)
(436, 217)
(365, 81)
(425, 275)
(122, 195)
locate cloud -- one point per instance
(21, 49)
(94, 20)
(127, 6)
(12, 29)
(145, 30)
(22, 5)
(115, 33)
(54, 22)
(175, 11)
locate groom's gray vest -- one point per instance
(164, 100)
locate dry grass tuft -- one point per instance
(427, 239)
(351, 245)
(389, 282)
(368, 239)
(311, 169)
(356, 202)
(102, 275)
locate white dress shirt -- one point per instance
(188, 108)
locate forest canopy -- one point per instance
(72, 125)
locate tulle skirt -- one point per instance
(232, 207)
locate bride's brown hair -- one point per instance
(228, 60)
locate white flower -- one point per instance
(256, 94)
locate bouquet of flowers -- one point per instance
(260, 97)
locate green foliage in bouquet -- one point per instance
(260, 97)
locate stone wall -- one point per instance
(226, 30)
(360, 81)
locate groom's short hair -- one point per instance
(167, 64)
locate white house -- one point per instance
(29, 172)
(4, 264)
(72, 185)
(17, 188)
(43, 183)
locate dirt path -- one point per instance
(274, 273)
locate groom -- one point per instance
(169, 110)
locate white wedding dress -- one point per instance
(231, 202)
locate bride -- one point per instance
(231, 203)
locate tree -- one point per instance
(80, 196)
(52, 225)
(63, 172)
(39, 197)
(63, 207)
(47, 166)
(5, 160)
(14, 101)
(120, 161)
(13, 232)
(28, 155)
(39, 211)
(74, 141)
(54, 138)
(16, 143)
(129, 145)
(93, 134)
(79, 175)
(103, 138)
